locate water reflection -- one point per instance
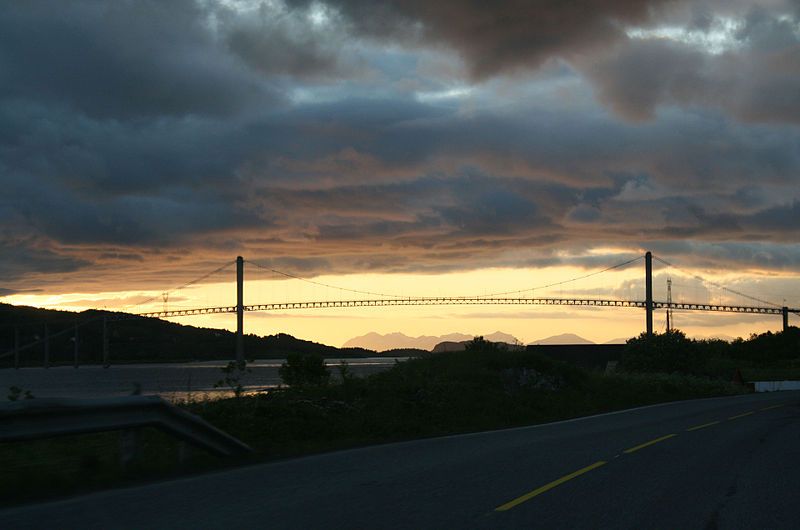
(174, 381)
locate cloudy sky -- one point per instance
(399, 146)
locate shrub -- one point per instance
(479, 344)
(304, 370)
(233, 379)
(666, 352)
(769, 347)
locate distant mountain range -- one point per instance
(564, 338)
(390, 341)
(378, 342)
(720, 336)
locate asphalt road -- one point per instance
(713, 463)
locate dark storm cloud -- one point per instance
(495, 37)
(189, 132)
(26, 256)
(9, 292)
(757, 81)
(778, 219)
(162, 217)
(431, 216)
(585, 214)
(121, 59)
(108, 157)
(135, 60)
(365, 141)
(275, 42)
(734, 255)
(327, 183)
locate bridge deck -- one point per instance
(430, 301)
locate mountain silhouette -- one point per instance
(564, 338)
(379, 342)
(390, 341)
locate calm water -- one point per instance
(172, 381)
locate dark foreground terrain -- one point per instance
(437, 395)
(728, 462)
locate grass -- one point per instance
(442, 394)
(753, 370)
(771, 374)
(436, 395)
(75, 464)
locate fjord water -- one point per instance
(175, 381)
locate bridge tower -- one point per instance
(648, 290)
(239, 310)
(785, 311)
(669, 305)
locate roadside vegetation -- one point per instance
(322, 409)
(764, 356)
(484, 387)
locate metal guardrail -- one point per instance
(44, 418)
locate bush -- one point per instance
(667, 353)
(234, 373)
(768, 347)
(304, 370)
(479, 344)
(441, 394)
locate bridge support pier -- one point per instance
(785, 318)
(240, 311)
(648, 288)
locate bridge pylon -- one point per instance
(648, 289)
(239, 310)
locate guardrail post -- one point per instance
(785, 318)
(183, 452)
(128, 447)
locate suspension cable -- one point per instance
(187, 284)
(464, 297)
(717, 285)
(595, 273)
(294, 277)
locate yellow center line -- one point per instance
(647, 444)
(703, 426)
(547, 487)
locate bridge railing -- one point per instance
(458, 300)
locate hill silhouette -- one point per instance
(137, 339)
(564, 338)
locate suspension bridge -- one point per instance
(374, 299)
